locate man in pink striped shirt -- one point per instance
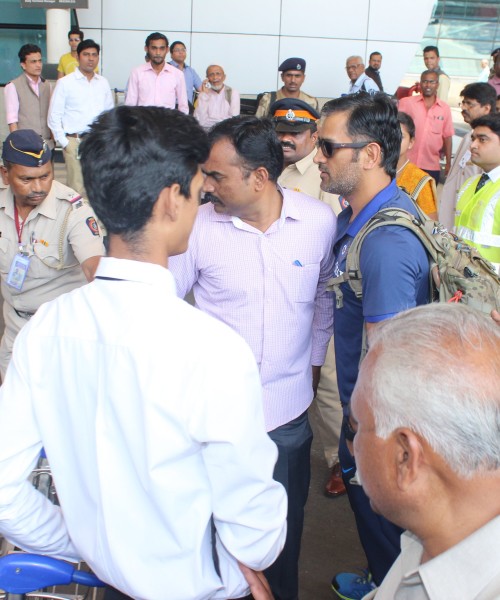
(259, 258)
(156, 83)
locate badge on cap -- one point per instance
(299, 67)
(290, 115)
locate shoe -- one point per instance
(335, 486)
(352, 586)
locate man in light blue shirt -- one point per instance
(360, 82)
(193, 80)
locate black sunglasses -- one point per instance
(328, 147)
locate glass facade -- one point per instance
(19, 26)
(465, 31)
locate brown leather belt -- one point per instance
(75, 135)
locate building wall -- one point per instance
(250, 39)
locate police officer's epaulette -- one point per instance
(76, 200)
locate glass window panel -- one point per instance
(12, 40)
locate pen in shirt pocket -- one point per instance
(297, 263)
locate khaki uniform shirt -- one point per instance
(461, 169)
(470, 570)
(265, 102)
(303, 176)
(58, 235)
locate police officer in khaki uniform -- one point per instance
(50, 242)
(293, 75)
(295, 124)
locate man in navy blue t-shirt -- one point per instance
(358, 151)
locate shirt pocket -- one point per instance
(7, 253)
(45, 261)
(307, 282)
(437, 126)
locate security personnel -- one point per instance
(295, 124)
(477, 216)
(50, 242)
(293, 75)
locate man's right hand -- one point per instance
(259, 587)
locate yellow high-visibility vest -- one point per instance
(477, 217)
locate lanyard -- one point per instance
(19, 226)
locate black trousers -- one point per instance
(293, 471)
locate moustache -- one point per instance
(288, 145)
(36, 196)
(208, 197)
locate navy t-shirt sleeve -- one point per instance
(395, 271)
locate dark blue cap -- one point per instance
(25, 147)
(292, 64)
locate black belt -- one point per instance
(23, 314)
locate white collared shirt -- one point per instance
(150, 413)
(470, 570)
(76, 102)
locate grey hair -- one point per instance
(357, 57)
(437, 372)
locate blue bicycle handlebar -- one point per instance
(21, 573)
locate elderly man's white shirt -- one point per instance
(470, 570)
(150, 412)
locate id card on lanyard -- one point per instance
(20, 265)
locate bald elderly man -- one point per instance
(216, 101)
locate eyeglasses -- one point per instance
(468, 104)
(352, 67)
(328, 147)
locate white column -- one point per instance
(58, 25)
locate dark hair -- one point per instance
(255, 142)
(371, 118)
(408, 123)
(375, 54)
(131, 154)
(176, 43)
(490, 121)
(27, 49)
(431, 49)
(484, 93)
(152, 37)
(86, 44)
(78, 32)
(429, 72)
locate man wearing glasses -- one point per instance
(360, 82)
(359, 141)
(479, 99)
(433, 124)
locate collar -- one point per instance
(360, 79)
(166, 67)
(31, 80)
(304, 163)
(80, 75)
(291, 209)
(177, 65)
(494, 174)
(372, 208)
(473, 555)
(136, 271)
(47, 208)
(420, 98)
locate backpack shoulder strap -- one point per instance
(419, 187)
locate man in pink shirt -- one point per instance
(433, 124)
(217, 101)
(258, 259)
(156, 83)
(27, 97)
